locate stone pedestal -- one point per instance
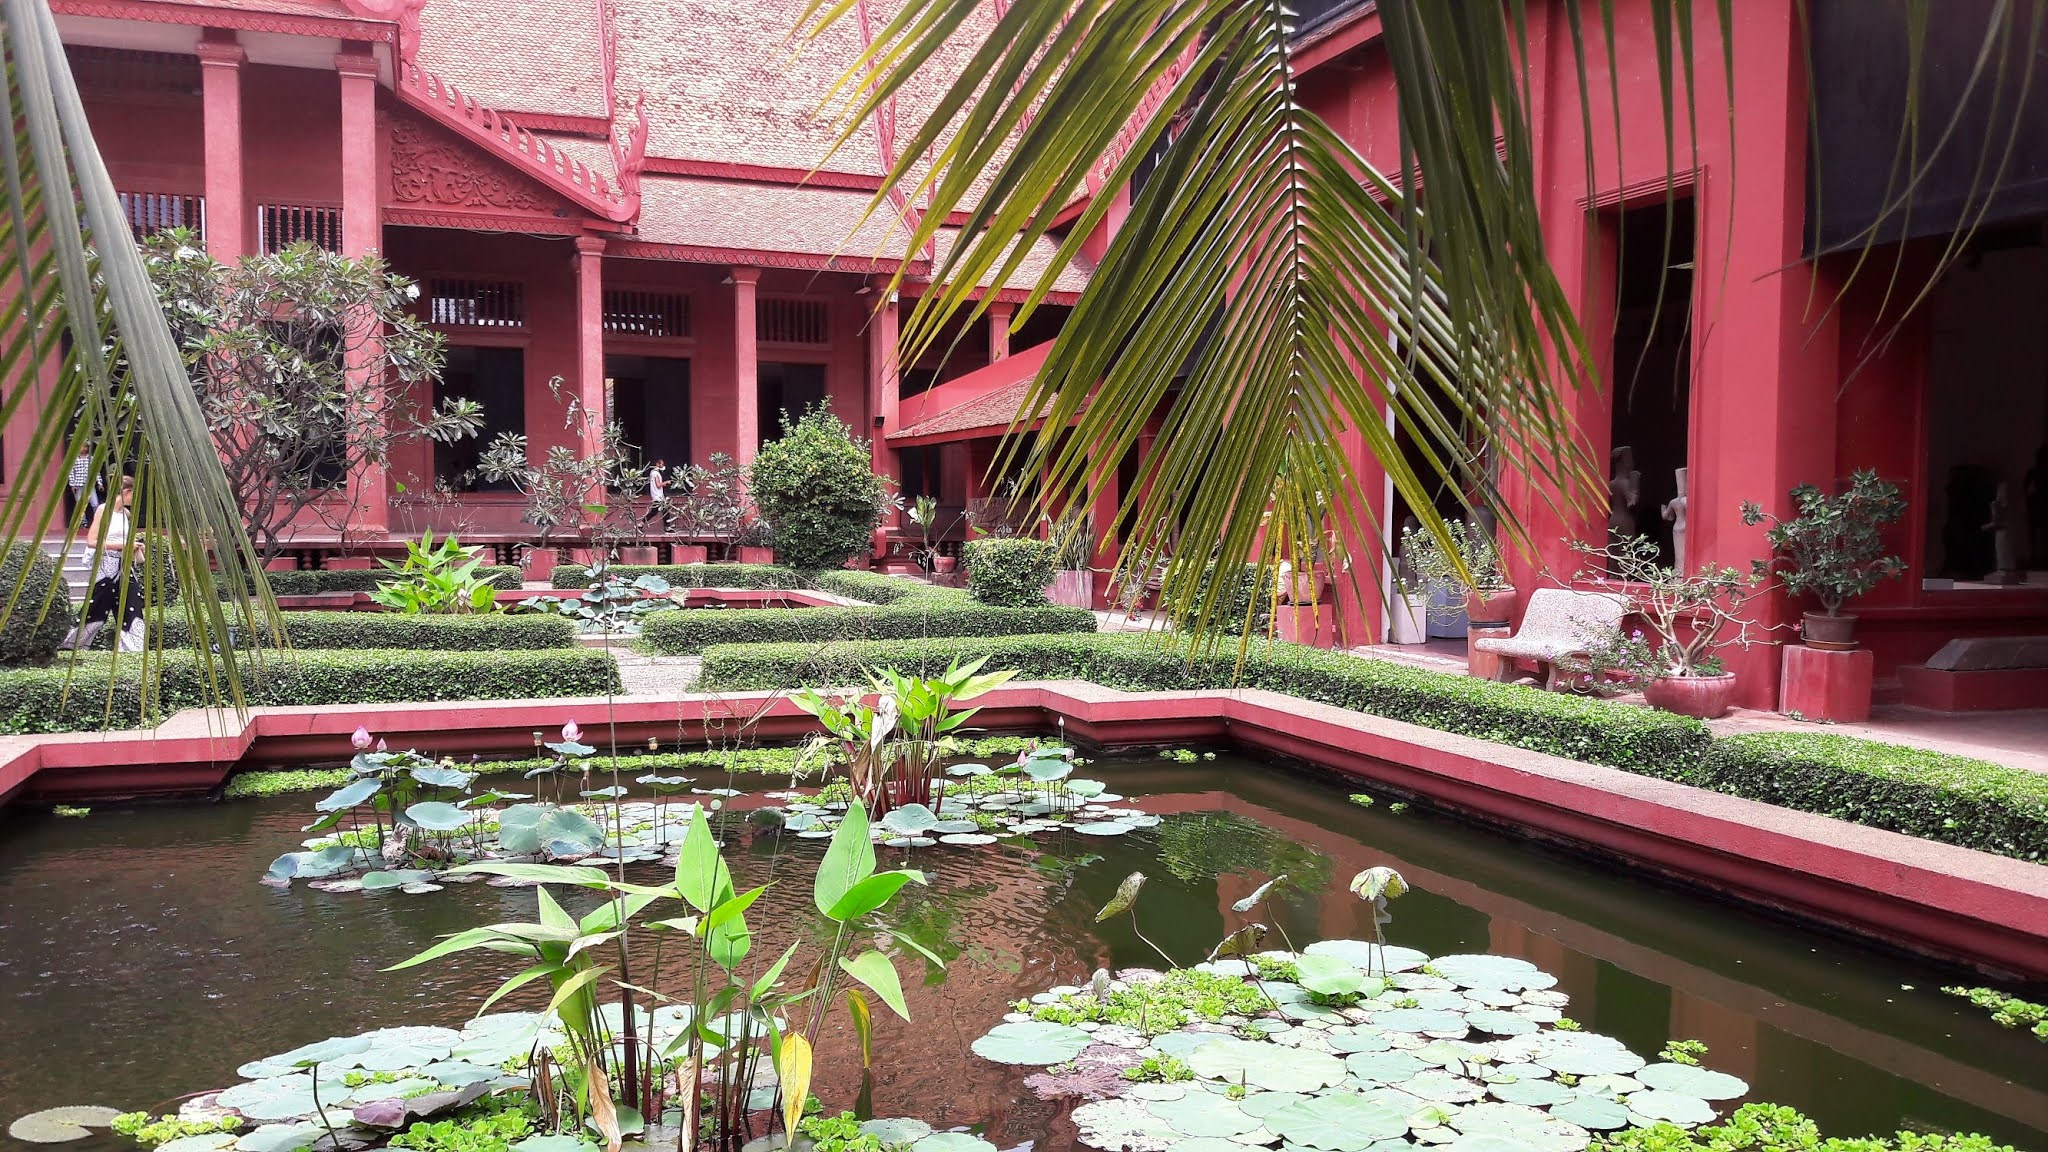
(1822, 685)
(1485, 665)
(1312, 624)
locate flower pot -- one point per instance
(751, 555)
(281, 564)
(540, 562)
(346, 563)
(1075, 589)
(946, 564)
(1309, 587)
(642, 554)
(1492, 607)
(1829, 633)
(688, 554)
(1701, 697)
(1407, 621)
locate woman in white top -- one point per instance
(110, 593)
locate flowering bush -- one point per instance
(1693, 619)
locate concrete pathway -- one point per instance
(656, 677)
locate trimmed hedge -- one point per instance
(336, 630)
(1595, 731)
(313, 583)
(38, 619)
(1933, 795)
(897, 610)
(62, 698)
(686, 575)
(1010, 572)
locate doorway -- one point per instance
(787, 391)
(650, 401)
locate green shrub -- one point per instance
(36, 622)
(1594, 731)
(92, 695)
(685, 575)
(1972, 803)
(1775, 1128)
(313, 583)
(817, 490)
(391, 630)
(907, 610)
(1010, 572)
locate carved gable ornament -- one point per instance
(432, 169)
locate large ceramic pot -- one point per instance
(1308, 587)
(1829, 633)
(1491, 608)
(640, 555)
(1701, 697)
(750, 555)
(688, 553)
(1075, 588)
(1408, 620)
(540, 562)
(946, 564)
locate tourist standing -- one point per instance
(76, 488)
(657, 493)
(112, 531)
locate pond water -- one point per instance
(140, 960)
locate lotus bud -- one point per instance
(380, 744)
(361, 739)
(571, 734)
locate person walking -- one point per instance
(112, 532)
(75, 488)
(657, 494)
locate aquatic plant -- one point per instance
(150, 1131)
(2007, 1011)
(893, 747)
(1774, 1128)
(60, 1125)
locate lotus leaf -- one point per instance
(1273, 1067)
(951, 827)
(1123, 1124)
(1340, 1122)
(718, 792)
(319, 1052)
(554, 1144)
(952, 1142)
(350, 795)
(659, 783)
(438, 776)
(1596, 1112)
(1345, 1042)
(275, 1097)
(1252, 901)
(1440, 999)
(1103, 828)
(1671, 1107)
(612, 793)
(204, 1142)
(1442, 1088)
(898, 1130)
(1327, 975)
(1483, 971)
(280, 1138)
(1046, 771)
(909, 820)
(1498, 1023)
(1531, 1092)
(966, 839)
(1371, 957)
(1589, 1059)
(435, 816)
(1263, 1104)
(1031, 1042)
(1087, 789)
(1530, 1126)
(570, 748)
(329, 861)
(1687, 1080)
(1182, 1043)
(967, 770)
(1434, 1021)
(57, 1125)
(397, 878)
(1384, 1067)
(893, 841)
(1204, 1114)
(800, 821)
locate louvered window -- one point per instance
(785, 321)
(636, 313)
(151, 212)
(282, 225)
(476, 303)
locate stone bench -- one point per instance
(1980, 674)
(1556, 631)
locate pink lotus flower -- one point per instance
(380, 744)
(571, 734)
(361, 740)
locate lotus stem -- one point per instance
(321, 1112)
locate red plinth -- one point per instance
(1821, 685)
(1485, 665)
(1307, 624)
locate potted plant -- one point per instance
(1834, 549)
(1692, 620)
(1408, 602)
(710, 503)
(1471, 564)
(1073, 541)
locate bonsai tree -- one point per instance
(305, 363)
(710, 501)
(1693, 618)
(1471, 566)
(1833, 547)
(817, 489)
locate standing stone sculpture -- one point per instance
(1624, 492)
(1674, 511)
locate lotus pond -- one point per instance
(142, 962)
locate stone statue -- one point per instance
(1624, 492)
(2004, 526)
(1674, 511)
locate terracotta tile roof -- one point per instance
(766, 217)
(520, 55)
(1072, 278)
(988, 415)
(328, 8)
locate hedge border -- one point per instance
(895, 610)
(68, 698)
(767, 576)
(496, 631)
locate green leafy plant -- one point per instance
(436, 579)
(70, 810)
(1693, 618)
(1159, 1070)
(150, 1131)
(612, 604)
(564, 488)
(1832, 547)
(839, 1133)
(492, 1128)
(893, 747)
(2008, 1011)
(32, 629)
(1683, 1052)
(709, 501)
(1010, 571)
(1463, 560)
(816, 487)
(1775, 1128)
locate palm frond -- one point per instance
(78, 295)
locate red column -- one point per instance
(746, 365)
(369, 493)
(884, 391)
(590, 344)
(220, 78)
(999, 315)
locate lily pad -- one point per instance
(1670, 1107)
(1273, 1067)
(1529, 1126)
(1384, 1067)
(1499, 1023)
(397, 878)
(1103, 828)
(1442, 1088)
(57, 1125)
(329, 861)
(1031, 1042)
(274, 1097)
(909, 820)
(1328, 975)
(1596, 1112)
(1182, 1043)
(899, 1130)
(435, 816)
(1204, 1114)
(1369, 957)
(554, 1144)
(280, 1138)
(1345, 1043)
(1430, 1020)
(1484, 971)
(1533, 1093)
(967, 839)
(326, 1051)
(203, 1142)
(952, 1142)
(1687, 1080)
(1341, 1123)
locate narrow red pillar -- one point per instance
(590, 344)
(746, 365)
(220, 80)
(999, 316)
(369, 487)
(884, 391)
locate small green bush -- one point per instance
(685, 575)
(1775, 1128)
(391, 630)
(1954, 799)
(1009, 572)
(905, 610)
(321, 581)
(37, 620)
(92, 695)
(817, 490)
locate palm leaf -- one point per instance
(82, 299)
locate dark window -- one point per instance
(651, 403)
(152, 212)
(1651, 378)
(636, 313)
(788, 388)
(785, 321)
(476, 304)
(919, 464)
(496, 379)
(282, 225)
